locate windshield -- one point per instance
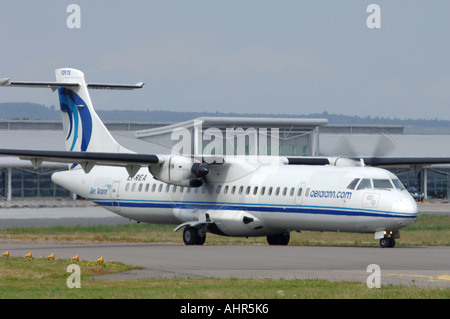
(382, 184)
(398, 184)
(367, 183)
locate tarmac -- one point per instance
(417, 266)
(46, 213)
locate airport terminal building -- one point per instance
(225, 135)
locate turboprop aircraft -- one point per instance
(231, 195)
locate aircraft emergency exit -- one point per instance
(236, 196)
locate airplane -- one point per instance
(228, 195)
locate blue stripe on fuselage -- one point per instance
(324, 210)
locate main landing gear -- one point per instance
(281, 239)
(193, 236)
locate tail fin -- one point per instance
(84, 131)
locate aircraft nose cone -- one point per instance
(406, 209)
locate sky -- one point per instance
(248, 56)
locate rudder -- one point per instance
(84, 131)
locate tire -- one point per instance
(281, 239)
(190, 235)
(387, 242)
(201, 239)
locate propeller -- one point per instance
(200, 170)
(381, 147)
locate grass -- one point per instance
(428, 230)
(23, 278)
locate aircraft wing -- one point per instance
(87, 160)
(405, 161)
(371, 161)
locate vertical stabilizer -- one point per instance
(84, 131)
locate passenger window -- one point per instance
(284, 191)
(140, 187)
(299, 193)
(181, 189)
(225, 190)
(133, 187)
(219, 187)
(255, 191)
(167, 188)
(263, 190)
(127, 187)
(292, 191)
(248, 190)
(153, 188)
(270, 191)
(277, 191)
(174, 188)
(353, 183)
(160, 188)
(241, 189)
(382, 184)
(233, 190)
(364, 184)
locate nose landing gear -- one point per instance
(387, 238)
(387, 242)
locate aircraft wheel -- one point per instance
(387, 242)
(190, 235)
(201, 239)
(281, 239)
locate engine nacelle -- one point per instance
(180, 170)
(237, 223)
(344, 162)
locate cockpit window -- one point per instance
(353, 183)
(382, 184)
(365, 183)
(398, 184)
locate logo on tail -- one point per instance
(78, 113)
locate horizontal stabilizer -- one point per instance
(56, 85)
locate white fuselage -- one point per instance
(267, 200)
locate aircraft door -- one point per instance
(115, 196)
(299, 193)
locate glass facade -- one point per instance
(438, 181)
(2, 183)
(31, 184)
